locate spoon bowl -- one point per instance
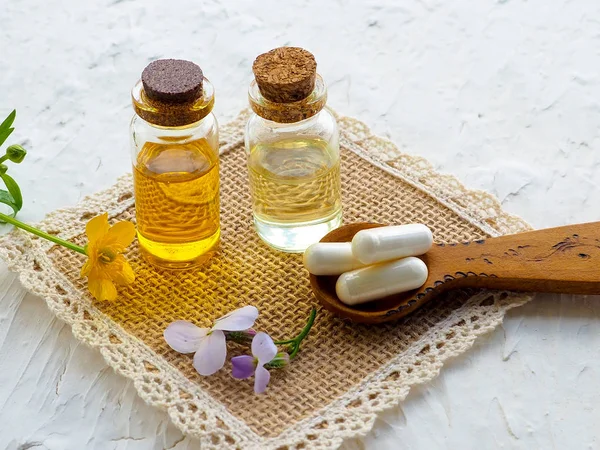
(564, 260)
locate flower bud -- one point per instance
(281, 359)
(16, 153)
(241, 337)
(3, 168)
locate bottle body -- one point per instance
(294, 176)
(176, 184)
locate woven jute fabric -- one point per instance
(345, 373)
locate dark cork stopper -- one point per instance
(285, 74)
(172, 81)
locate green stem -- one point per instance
(295, 343)
(308, 326)
(42, 234)
(3, 158)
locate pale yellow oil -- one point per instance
(295, 186)
(177, 202)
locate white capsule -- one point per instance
(330, 258)
(381, 280)
(386, 243)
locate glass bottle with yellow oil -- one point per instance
(292, 142)
(175, 151)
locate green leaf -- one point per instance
(8, 121)
(13, 189)
(4, 134)
(7, 199)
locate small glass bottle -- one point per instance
(175, 151)
(292, 143)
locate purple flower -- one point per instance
(208, 344)
(264, 351)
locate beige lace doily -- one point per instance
(345, 374)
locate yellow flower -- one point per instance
(106, 265)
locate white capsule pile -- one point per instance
(377, 263)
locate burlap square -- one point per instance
(344, 374)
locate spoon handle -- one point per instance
(564, 260)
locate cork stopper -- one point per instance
(172, 81)
(285, 74)
(172, 93)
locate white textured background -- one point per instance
(505, 94)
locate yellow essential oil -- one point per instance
(295, 186)
(177, 201)
(175, 154)
(292, 143)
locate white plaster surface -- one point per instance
(503, 93)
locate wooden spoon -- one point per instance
(564, 260)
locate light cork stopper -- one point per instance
(285, 74)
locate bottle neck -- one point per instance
(287, 113)
(285, 127)
(169, 115)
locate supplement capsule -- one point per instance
(330, 258)
(386, 243)
(381, 280)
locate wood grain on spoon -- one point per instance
(563, 260)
